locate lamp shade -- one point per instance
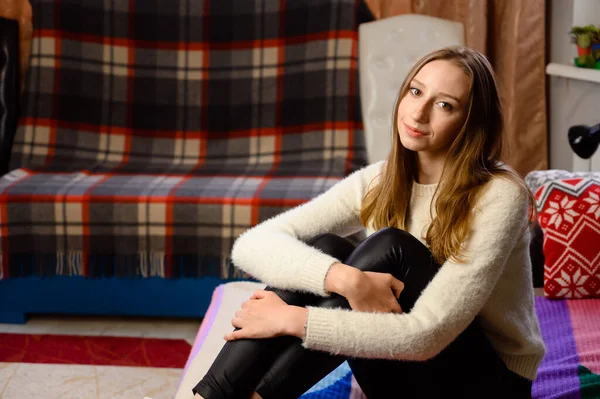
(584, 139)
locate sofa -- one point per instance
(150, 134)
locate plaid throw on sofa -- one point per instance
(154, 132)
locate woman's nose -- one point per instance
(420, 112)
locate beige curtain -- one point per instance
(512, 35)
(21, 11)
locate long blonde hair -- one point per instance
(472, 160)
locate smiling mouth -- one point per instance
(413, 132)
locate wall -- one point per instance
(572, 101)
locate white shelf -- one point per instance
(573, 72)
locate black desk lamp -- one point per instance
(584, 140)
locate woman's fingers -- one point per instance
(397, 286)
(259, 294)
(237, 334)
(396, 308)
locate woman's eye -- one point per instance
(415, 91)
(445, 106)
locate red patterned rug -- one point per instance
(93, 350)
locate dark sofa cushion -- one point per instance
(537, 255)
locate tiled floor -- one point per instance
(51, 381)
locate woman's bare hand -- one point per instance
(375, 292)
(266, 315)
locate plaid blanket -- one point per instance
(153, 133)
(571, 331)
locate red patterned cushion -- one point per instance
(569, 215)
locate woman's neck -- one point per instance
(430, 168)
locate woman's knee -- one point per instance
(383, 251)
(392, 237)
(395, 251)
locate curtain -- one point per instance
(512, 34)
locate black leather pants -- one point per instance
(281, 368)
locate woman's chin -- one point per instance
(410, 144)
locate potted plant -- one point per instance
(587, 39)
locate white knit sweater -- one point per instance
(495, 283)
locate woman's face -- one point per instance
(434, 109)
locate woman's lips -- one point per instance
(413, 132)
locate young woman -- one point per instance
(437, 301)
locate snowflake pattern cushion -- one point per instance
(569, 215)
(537, 178)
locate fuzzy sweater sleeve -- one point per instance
(274, 251)
(447, 305)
